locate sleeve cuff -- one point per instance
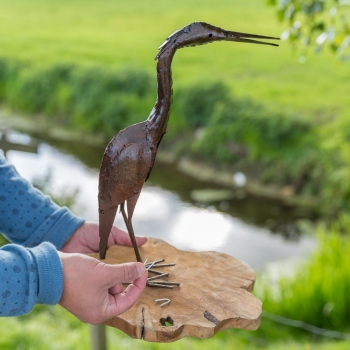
(49, 266)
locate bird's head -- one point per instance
(200, 33)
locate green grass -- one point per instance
(51, 328)
(119, 33)
(46, 328)
(319, 291)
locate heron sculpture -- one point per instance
(129, 157)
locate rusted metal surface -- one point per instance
(129, 157)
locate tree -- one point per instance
(316, 24)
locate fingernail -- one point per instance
(140, 269)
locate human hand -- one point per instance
(86, 239)
(93, 291)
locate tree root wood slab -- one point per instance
(214, 295)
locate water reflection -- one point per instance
(17, 141)
(201, 229)
(164, 209)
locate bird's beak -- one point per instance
(249, 38)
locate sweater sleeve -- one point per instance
(29, 276)
(27, 217)
(30, 270)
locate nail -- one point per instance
(168, 283)
(158, 276)
(150, 265)
(154, 284)
(163, 265)
(155, 271)
(158, 261)
(167, 301)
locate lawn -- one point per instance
(119, 33)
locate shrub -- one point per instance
(35, 89)
(3, 70)
(286, 145)
(319, 291)
(335, 148)
(107, 101)
(9, 70)
(131, 81)
(91, 98)
(196, 103)
(266, 135)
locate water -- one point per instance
(255, 231)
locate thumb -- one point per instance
(120, 237)
(124, 273)
(135, 273)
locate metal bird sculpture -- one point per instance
(129, 157)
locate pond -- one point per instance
(258, 232)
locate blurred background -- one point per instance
(255, 162)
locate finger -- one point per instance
(122, 273)
(117, 289)
(120, 237)
(140, 240)
(119, 303)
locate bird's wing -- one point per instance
(122, 177)
(153, 158)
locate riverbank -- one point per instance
(280, 155)
(37, 125)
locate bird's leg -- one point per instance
(106, 219)
(131, 203)
(128, 224)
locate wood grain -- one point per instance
(214, 295)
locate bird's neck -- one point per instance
(159, 116)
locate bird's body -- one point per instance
(126, 164)
(130, 153)
(129, 157)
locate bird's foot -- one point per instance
(155, 280)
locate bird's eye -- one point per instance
(210, 35)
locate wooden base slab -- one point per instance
(214, 295)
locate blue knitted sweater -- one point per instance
(30, 268)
